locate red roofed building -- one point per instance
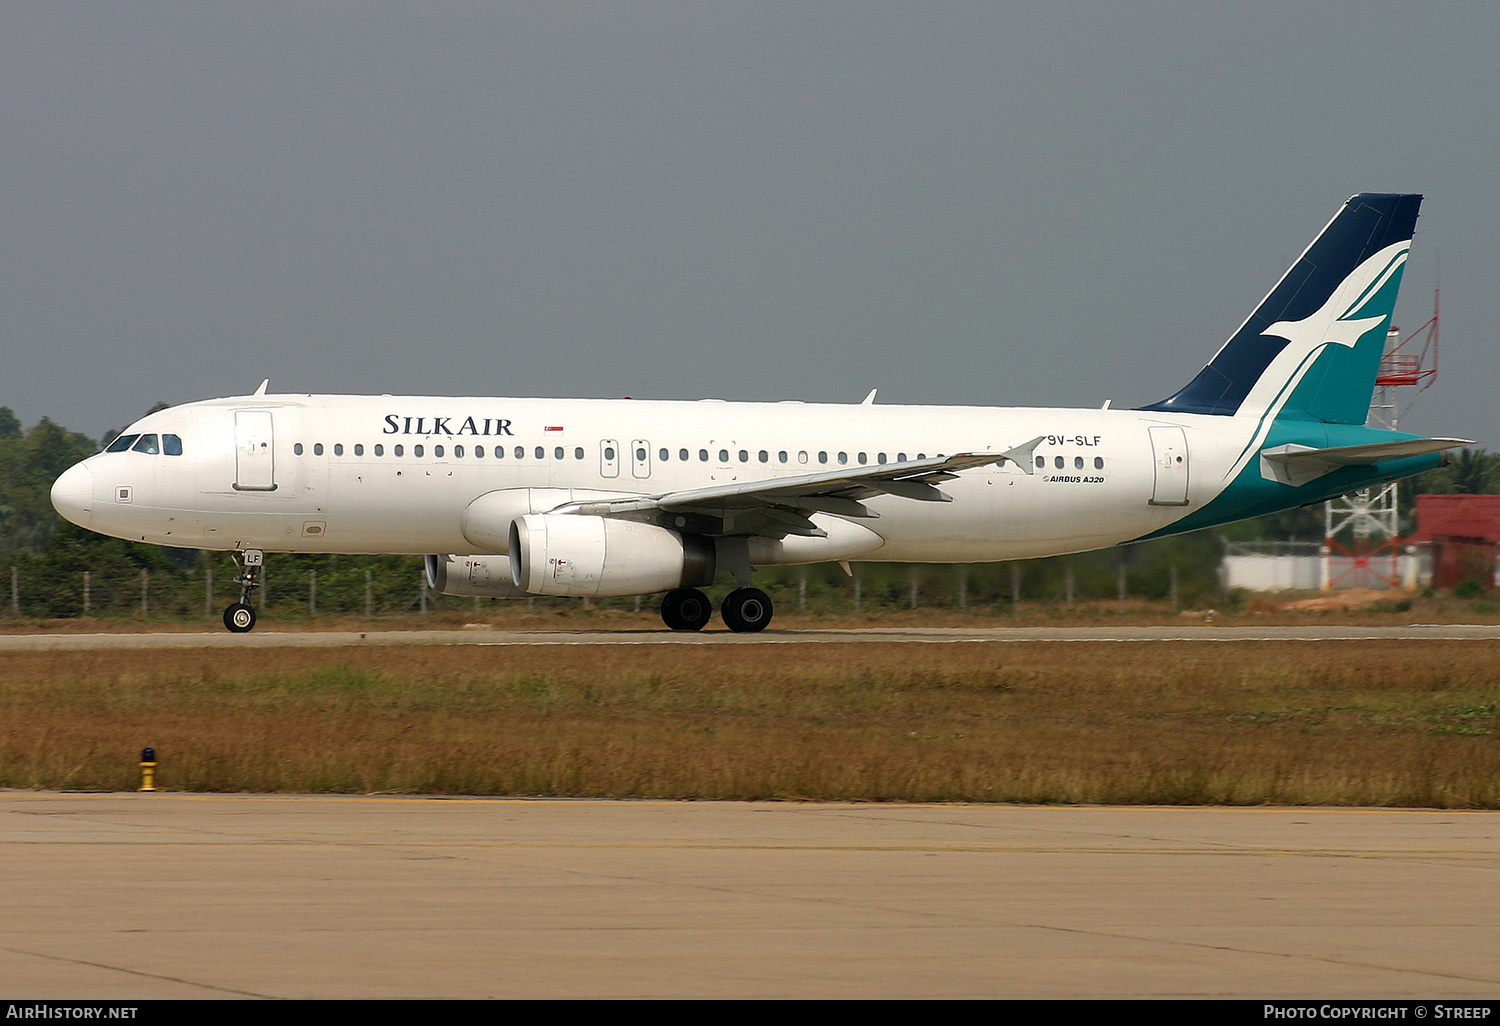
(1464, 532)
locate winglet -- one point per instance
(262, 389)
(869, 400)
(1021, 455)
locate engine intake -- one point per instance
(563, 554)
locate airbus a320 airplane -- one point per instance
(622, 497)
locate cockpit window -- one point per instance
(148, 445)
(122, 443)
(171, 445)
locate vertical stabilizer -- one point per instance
(1313, 346)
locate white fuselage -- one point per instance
(398, 473)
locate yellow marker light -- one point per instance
(148, 769)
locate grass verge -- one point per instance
(1332, 723)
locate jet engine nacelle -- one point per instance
(482, 576)
(486, 522)
(563, 554)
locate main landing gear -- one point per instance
(240, 616)
(745, 610)
(686, 609)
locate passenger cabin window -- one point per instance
(843, 457)
(359, 450)
(417, 451)
(723, 455)
(763, 456)
(541, 453)
(122, 443)
(379, 450)
(437, 451)
(578, 453)
(1058, 462)
(558, 453)
(317, 448)
(171, 445)
(822, 457)
(1041, 461)
(338, 448)
(297, 449)
(682, 454)
(664, 455)
(398, 450)
(1098, 462)
(520, 453)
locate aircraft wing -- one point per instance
(776, 507)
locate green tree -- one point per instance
(29, 464)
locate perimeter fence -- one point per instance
(178, 584)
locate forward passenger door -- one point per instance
(254, 451)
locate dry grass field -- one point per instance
(1331, 723)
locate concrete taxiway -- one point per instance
(167, 895)
(930, 635)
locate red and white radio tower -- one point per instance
(1371, 557)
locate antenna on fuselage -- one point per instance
(262, 389)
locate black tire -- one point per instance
(239, 618)
(686, 609)
(746, 610)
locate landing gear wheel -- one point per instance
(686, 609)
(746, 610)
(239, 617)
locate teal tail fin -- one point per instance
(1312, 348)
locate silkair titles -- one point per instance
(395, 424)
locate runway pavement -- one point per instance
(169, 895)
(931, 635)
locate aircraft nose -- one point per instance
(73, 494)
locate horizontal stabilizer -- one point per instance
(1296, 465)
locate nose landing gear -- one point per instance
(240, 616)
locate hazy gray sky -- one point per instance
(958, 203)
